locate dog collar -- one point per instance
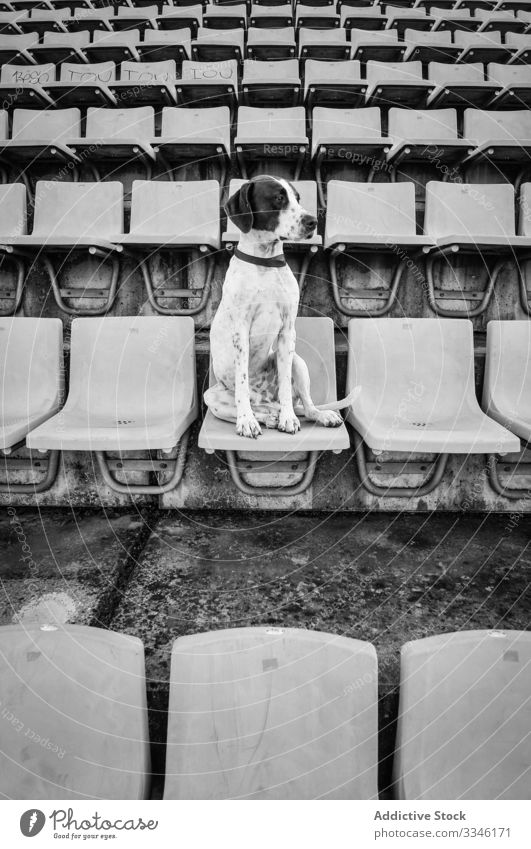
(267, 262)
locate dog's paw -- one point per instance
(328, 418)
(246, 425)
(288, 423)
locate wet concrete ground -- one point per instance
(384, 578)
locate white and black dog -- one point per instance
(260, 378)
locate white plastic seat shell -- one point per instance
(507, 381)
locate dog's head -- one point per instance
(270, 206)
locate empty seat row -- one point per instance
(304, 702)
(133, 389)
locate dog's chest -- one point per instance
(264, 288)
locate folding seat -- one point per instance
(459, 85)
(306, 248)
(133, 18)
(516, 5)
(180, 217)
(277, 15)
(225, 16)
(113, 46)
(77, 698)
(271, 133)
(454, 20)
(14, 48)
(208, 84)
(13, 214)
(45, 20)
(267, 44)
(10, 22)
(316, 17)
(352, 136)
(181, 17)
(275, 454)
(417, 397)
(376, 45)
(323, 44)
(501, 138)
(329, 83)
(161, 45)
(285, 694)
(501, 21)
(481, 47)
(520, 45)
(218, 45)
(40, 137)
(146, 82)
(403, 19)
(132, 388)
(194, 135)
(397, 83)
(512, 86)
(369, 219)
(83, 85)
(23, 85)
(425, 137)
(430, 46)
(58, 47)
(463, 730)
(362, 17)
(271, 83)
(477, 220)
(90, 19)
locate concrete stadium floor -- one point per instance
(386, 578)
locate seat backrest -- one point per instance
(183, 11)
(307, 190)
(185, 209)
(130, 37)
(286, 69)
(149, 73)
(454, 209)
(68, 39)
(190, 124)
(417, 370)
(308, 36)
(18, 42)
(415, 36)
(359, 12)
(508, 75)
(370, 209)
(418, 12)
(422, 124)
(56, 125)
(265, 35)
(465, 39)
(444, 72)
(225, 10)
(368, 36)
(511, 126)
(4, 123)
(216, 72)
(168, 36)
(50, 14)
(364, 123)
(318, 70)
(408, 72)
(143, 12)
(524, 219)
(452, 14)
(31, 365)
(27, 74)
(135, 123)
(516, 39)
(303, 11)
(13, 17)
(95, 72)
(507, 381)
(139, 367)
(210, 35)
(78, 209)
(13, 210)
(283, 123)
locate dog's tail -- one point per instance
(345, 402)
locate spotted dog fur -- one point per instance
(260, 378)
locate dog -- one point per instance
(260, 378)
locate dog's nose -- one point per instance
(309, 222)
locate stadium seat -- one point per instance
(31, 390)
(456, 86)
(180, 217)
(78, 696)
(10, 21)
(454, 20)
(463, 729)
(45, 20)
(225, 16)
(194, 135)
(270, 16)
(181, 17)
(426, 136)
(417, 397)
(323, 44)
(58, 47)
(376, 45)
(283, 457)
(397, 84)
(328, 83)
(13, 214)
(132, 388)
(274, 83)
(283, 694)
(477, 220)
(90, 19)
(116, 136)
(316, 17)
(358, 17)
(23, 85)
(512, 86)
(481, 47)
(208, 84)
(150, 83)
(352, 136)
(218, 45)
(113, 46)
(370, 218)
(520, 46)
(271, 133)
(128, 17)
(161, 45)
(14, 48)
(83, 85)
(403, 19)
(430, 46)
(500, 21)
(268, 44)
(501, 138)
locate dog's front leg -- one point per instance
(246, 424)
(287, 420)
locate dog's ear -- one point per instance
(238, 208)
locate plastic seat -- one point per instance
(352, 135)
(146, 82)
(396, 84)
(403, 19)
(417, 397)
(481, 47)
(520, 46)
(218, 45)
(83, 85)
(90, 19)
(23, 85)
(58, 47)
(194, 134)
(267, 44)
(430, 46)
(370, 218)
(271, 83)
(185, 17)
(329, 83)
(454, 19)
(270, 132)
(117, 136)
(80, 695)
(501, 21)
(323, 44)
(128, 17)
(475, 219)
(362, 18)
(279, 452)
(208, 84)
(459, 85)
(176, 216)
(283, 700)
(45, 20)
(10, 21)
(501, 138)
(316, 17)
(463, 731)
(277, 15)
(14, 48)
(515, 81)
(376, 45)
(225, 16)
(161, 45)
(132, 388)
(40, 136)
(426, 136)
(114, 46)
(13, 214)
